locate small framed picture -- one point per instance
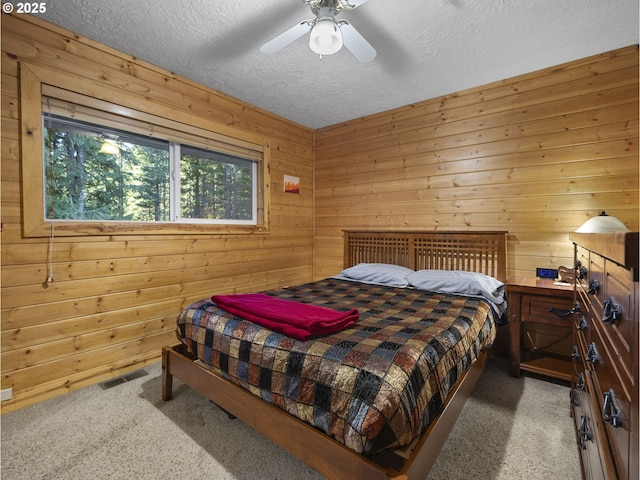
(291, 184)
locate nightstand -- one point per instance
(541, 340)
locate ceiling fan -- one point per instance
(327, 35)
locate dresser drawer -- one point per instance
(578, 353)
(536, 308)
(616, 318)
(595, 454)
(579, 390)
(582, 265)
(595, 287)
(584, 316)
(618, 431)
(619, 316)
(589, 301)
(614, 404)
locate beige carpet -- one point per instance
(509, 429)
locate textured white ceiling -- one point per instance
(426, 48)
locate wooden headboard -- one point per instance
(484, 252)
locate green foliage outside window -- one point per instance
(215, 186)
(134, 181)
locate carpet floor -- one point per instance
(509, 429)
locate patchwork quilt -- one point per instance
(372, 386)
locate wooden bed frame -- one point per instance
(483, 252)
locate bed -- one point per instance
(371, 398)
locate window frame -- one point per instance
(102, 97)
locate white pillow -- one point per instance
(459, 282)
(379, 273)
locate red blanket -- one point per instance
(297, 320)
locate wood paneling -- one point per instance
(536, 155)
(115, 298)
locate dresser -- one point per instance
(604, 394)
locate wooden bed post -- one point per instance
(167, 378)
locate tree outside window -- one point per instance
(135, 178)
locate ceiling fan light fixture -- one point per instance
(325, 37)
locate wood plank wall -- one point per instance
(536, 155)
(115, 298)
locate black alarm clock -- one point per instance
(549, 273)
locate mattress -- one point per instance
(373, 386)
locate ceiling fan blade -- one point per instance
(356, 43)
(286, 37)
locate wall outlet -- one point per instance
(6, 394)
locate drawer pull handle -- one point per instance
(610, 412)
(582, 324)
(584, 434)
(580, 385)
(574, 353)
(581, 271)
(574, 399)
(592, 354)
(561, 312)
(594, 287)
(612, 312)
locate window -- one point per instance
(214, 186)
(106, 168)
(92, 173)
(97, 173)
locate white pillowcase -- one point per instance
(461, 283)
(379, 273)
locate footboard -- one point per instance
(317, 450)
